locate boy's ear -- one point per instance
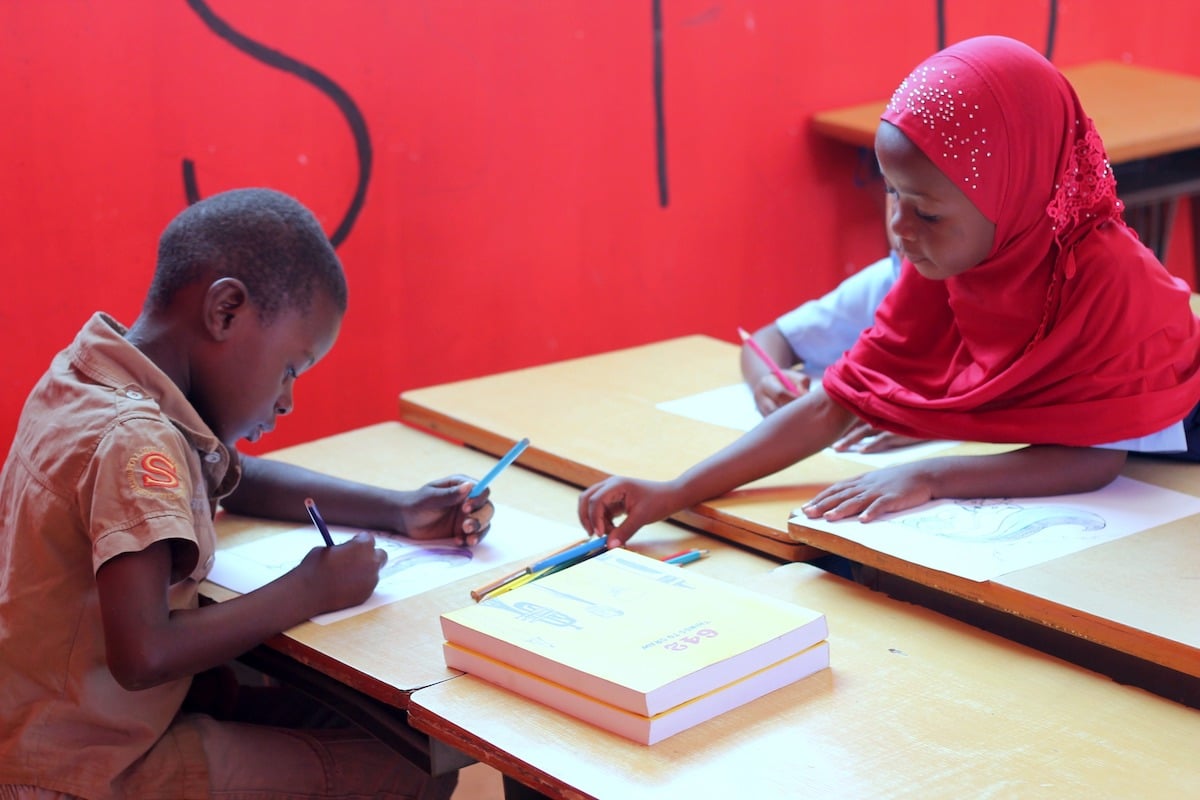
(225, 304)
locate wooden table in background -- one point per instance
(591, 417)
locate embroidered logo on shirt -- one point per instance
(152, 472)
(159, 472)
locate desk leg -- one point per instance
(515, 790)
(384, 722)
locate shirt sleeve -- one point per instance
(137, 490)
(821, 330)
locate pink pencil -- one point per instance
(788, 383)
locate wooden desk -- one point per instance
(369, 665)
(1149, 121)
(595, 416)
(915, 705)
(1136, 595)
(912, 699)
(592, 417)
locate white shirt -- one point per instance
(821, 330)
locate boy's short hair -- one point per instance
(264, 238)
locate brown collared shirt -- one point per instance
(109, 457)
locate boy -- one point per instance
(107, 498)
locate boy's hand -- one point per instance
(441, 509)
(873, 494)
(641, 502)
(770, 394)
(344, 575)
(865, 438)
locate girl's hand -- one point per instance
(641, 502)
(873, 494)
(864, 438)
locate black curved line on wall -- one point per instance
(276, 59)
(660, 121)
(1051, 28)
(940, 12)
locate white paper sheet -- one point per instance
(733, 407)
(983, 539)
(412, 567)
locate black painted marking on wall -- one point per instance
(274, 58)
(660, 122)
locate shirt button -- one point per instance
(212, 458)
(134, 394)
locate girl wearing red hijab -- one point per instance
(1026, 312)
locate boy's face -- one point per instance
(936, 227)
(252, 378)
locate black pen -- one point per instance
(318, 520)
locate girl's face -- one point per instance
(936, 227)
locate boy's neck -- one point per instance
(163, 343)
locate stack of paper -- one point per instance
(638, 647)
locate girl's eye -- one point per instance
(291, 373)
(927, 217)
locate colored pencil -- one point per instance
(318, 520)
(788, 383)
(508, 458)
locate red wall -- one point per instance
(512, 214)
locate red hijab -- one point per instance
(1070, 331)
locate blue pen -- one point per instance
(509, 457)
(577, 553)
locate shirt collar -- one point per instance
(102, 352)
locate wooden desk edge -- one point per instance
(703, 517)
(1122, 638)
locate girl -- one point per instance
(1026, 311)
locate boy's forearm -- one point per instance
(148, 644)
(1035, 471)
(276, 490)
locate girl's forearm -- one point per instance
(1035, 471)
(795, 432)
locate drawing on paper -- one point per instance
(999, 520)
(403, 557)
